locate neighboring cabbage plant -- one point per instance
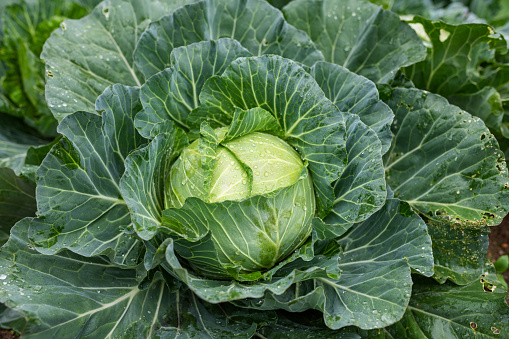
(220, 173)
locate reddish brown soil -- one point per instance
(499, 242)
(7, 334)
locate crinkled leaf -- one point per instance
(78, 190)
(67, 295)
(444, 162)
(357, 35)
(375, 284)
(252, 120)
(459, 252)
(144, 180)
(17, 200)
(85, 56)
(450, 311)
(199, 319)
(259, 27)
(310, 122)
(357, 95)
(360, 191)
(171, 94)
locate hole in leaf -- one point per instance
(488, 287)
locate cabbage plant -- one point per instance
(230, 170)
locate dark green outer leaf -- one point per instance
(357, 35)
(450, 311)
(11, 320)
(459, 253)
(201, 320)
(68, 296)
(310, 122)
(85, 56)
(302, 325)
(457, 52)
(36, 154)
(259, 27)
(15, 141)
(357, 95)
(485, 104)
(443, 161)
(3, 5)
(78, 190)
(17, 200)
(454, 67)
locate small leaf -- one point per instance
(15, 141)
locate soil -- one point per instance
(8, 334)
(499, 242)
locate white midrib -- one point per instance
(122, 56)
(328, 282)
(129, 295)
(156, 311)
